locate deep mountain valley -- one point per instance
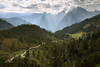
(29, 45)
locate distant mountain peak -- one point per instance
(48, 21)
(75, 15)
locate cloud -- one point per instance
(49, 6)
(1, 6)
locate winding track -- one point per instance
(22, 55)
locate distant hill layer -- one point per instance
(48, 21)
(4, 25)
(16, 21)
(27, 32)
(23, 37)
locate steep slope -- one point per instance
(84, 52)
(22, 37)
(85, 26)
(76, 14)
(49, 21)
(4, 25)
(44, 22)
(29, 33)
(16, 21)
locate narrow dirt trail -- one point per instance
(22, 54)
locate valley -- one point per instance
(51, 22)
(49, 33)
(29, 45)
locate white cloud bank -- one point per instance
(49, 6)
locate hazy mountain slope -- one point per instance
(84, 26)
(44, 22)
(75, 15)
(50, 21)
(4, 25)
(16, 21)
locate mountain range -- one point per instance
(75, 15)
(29, 45)
(52, 15)
(16, 21)
(25, 40)
(51, 22)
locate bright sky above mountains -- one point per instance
(49, 6)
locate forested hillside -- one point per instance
(31, 46)
(21, 38)
(84, 52)
(4, 25)
(88, 25)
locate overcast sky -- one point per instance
(50, 6)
